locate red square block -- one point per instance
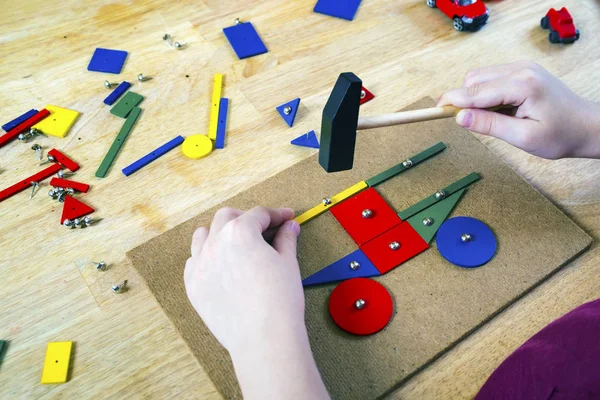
(386, 255)
(365, 216)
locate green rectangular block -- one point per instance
(2, 348)
(431, 200)
(126, 104)
(416, 159)
(118, 142)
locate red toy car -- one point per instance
(560, 23)
(468, 15)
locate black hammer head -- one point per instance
(338, 127)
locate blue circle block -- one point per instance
(470, 254)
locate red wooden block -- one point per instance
(23, 126)
(74, 208)
(368, 96)
(65, 183)
(381, 254)
(26, 183)
(364, 228)
(362, 318)
(64, 160)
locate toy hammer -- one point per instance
(340, 122)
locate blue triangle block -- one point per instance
(341, 270)
(291, 116)
(307, 140)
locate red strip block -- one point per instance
(23, 126)
(64, 160)
(65, 183)
(386, 257)
(26, 183)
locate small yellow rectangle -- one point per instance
(56, 366)
(214, 108)
(58, 122)
(338, 198)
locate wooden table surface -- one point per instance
(402, 50)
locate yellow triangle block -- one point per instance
(197, 146)
(56, 366)
(58, 122)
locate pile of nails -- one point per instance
(78, 222)
(59, 193)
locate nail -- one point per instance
(464, 118)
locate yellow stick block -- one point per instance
(338, 198)
(56, 366)
(214, 109)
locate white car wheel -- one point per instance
(459, 24)
(431, 3)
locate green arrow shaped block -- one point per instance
(428, 221)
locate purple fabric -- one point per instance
(561, 362)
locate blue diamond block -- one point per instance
(9, 125)
(474, 252)
(245, 40)
(106, 60)
(344, 9)
(291, 116)
(307, 140)
(342, 270)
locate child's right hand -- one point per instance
(551, 121)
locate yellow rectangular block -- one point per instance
(338, 198)
(214, 109)
(58, 122)
(56, 366)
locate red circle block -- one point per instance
(372, 317)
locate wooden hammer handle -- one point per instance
(405, 117)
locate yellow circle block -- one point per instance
(197, 146)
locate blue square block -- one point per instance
(106, 60)
(344, 9)
(245, 40)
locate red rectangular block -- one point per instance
(23, 126)
(385, 255)
(365, 216)
(64, 160)
(26, 183)
(65, 183)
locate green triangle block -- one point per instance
(438, 213)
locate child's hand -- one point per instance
(249, 294)
(551, 121)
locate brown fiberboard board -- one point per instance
(436, 304)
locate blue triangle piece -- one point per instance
(307, 140)
(291, 115)
(342, 270)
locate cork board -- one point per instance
(436, 304)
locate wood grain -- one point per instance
(124, 345)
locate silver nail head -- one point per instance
(68, 223)
(440, 195)
(166, 36)
(354, 265)
(394, 245)
(77, 222)
(367, 213)
(179, 46)
(360, 303)
(143, 78)
(22, 137)
(326, 201)
(108, 85)
(100, 266)
(52, 194)
(237, 21)
(362, 94)
(407, 164)
(465, 237)
(427, 221)
(120, 287)
(287, 110)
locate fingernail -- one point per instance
(288, 213)
(294, 226)
(464, 118)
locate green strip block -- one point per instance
(126, 104)
(2, 348)
(437, 214)
(118, 142)
(431, 200)
(416, 159)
